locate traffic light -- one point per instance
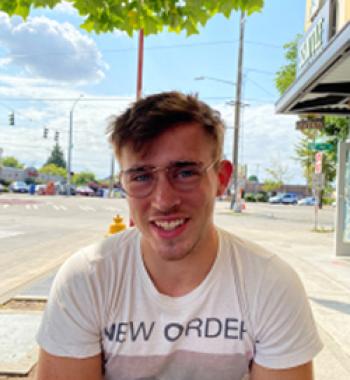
(45, 133)
(11, 118)
(57, 136)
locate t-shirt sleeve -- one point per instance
(285, 330)
(70, 326)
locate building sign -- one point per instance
(315, 39)
(310, 124)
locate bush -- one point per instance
(249, 197)
(261, 196)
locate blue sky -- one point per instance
(50, 58)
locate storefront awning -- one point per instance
(324, 87)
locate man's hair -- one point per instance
(148, 118)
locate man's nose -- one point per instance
(164, 196)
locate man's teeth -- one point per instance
(168, 226)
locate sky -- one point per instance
(48, 62)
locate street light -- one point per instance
(70, 144)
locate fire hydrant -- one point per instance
(116, 226)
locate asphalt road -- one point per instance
(37, 233)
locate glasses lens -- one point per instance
(138, 183)
(185, 177)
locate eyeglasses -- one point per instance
(183, 176)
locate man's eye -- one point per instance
(141, 177)
(188, 173)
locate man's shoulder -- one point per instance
(243, 248)
(251, 259)
(107, 253)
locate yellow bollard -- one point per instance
(117, 225)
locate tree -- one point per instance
(285, 76)
(336, 128)
(11, 162)
(271, 185)
(253, 178)
(57, 157)
(52, 169)
(150, 15)
(83, 178)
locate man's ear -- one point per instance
(224, 175)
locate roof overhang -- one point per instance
(324, 87)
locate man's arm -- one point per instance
(52, 367)
(302, 372)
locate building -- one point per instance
(322, 87)
(10, 174)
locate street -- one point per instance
(38, 233)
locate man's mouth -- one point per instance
(169, 225)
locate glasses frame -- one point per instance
(166, 169)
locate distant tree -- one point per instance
(57, 157)
(253, 178)
(52, 169)
(285, 76)
(270, 185)
(11, 162)
(83, 178)
(278, 171)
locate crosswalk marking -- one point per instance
(86, 208)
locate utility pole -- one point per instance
(70, 145)
(236, 198)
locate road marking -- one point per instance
(87, 208)
(55, 207)
(5, 206)
(64, 208)
(113, 209)
(35, 207)
(5, 234)
(28, 207)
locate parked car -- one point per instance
(61, 188)
(40, 189)
(18, 187)
(289, 199)
(2, 188)
(308, 201)
(276, 198)
(84, 190)
(284, 198)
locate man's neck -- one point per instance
(176, 278)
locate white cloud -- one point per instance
(25, 140)
(66, 7)
(48, 49)
(264, 138)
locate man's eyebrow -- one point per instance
(139, 168)
(184, 163)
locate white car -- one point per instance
(308, 201)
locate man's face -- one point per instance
(176, 223)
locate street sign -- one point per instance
(320, 146)
(318, 162)
(310, 124)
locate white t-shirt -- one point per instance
(251, 306)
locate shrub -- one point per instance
(249, 197)
(261, 196)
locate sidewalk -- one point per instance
(325, 277)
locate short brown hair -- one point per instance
(149, 117)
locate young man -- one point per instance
(175, 298)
